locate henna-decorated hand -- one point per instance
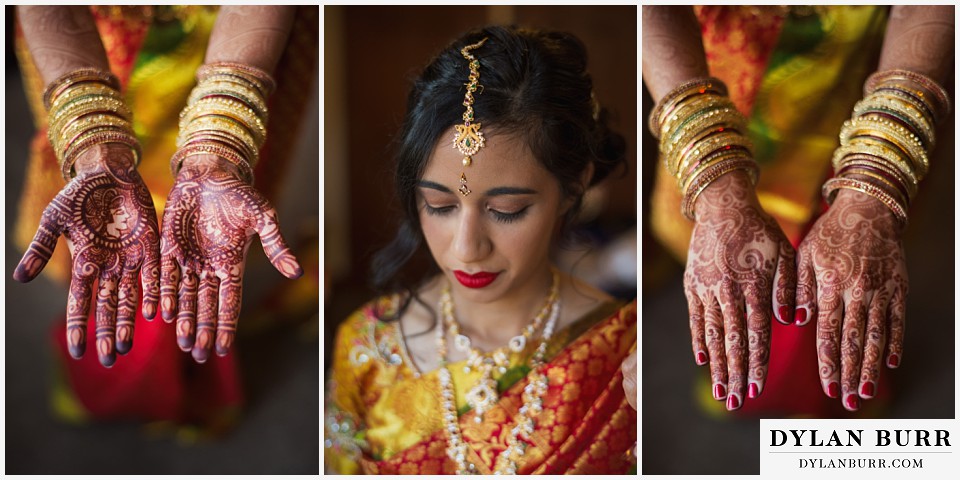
(740, 269)
(208, 226)
(107, 215)
(853, 280)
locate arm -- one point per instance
(859, 299)
(105, 210)
(738, 255)
(213, 209)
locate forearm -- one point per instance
(920, 39)
(252, 35)
(672, 48)
(62, 39)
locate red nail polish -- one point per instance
(893, 360)
(786, 314)
(719, 391)
(867, 389)
(833, 390)
(801, 316)
(753, 391)
(733, 402)
(701, 358)
(852, 402)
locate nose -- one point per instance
(470, 242)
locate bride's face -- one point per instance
(493, 241)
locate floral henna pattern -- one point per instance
(740, 266)
(108, 217)
(208, 226)
(852, 273)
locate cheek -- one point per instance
(435, 233)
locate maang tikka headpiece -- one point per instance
(469, 138)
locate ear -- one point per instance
(585, 177)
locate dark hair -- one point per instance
(535, 84)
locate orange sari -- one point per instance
(384, 417)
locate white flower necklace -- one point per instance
(536, 387)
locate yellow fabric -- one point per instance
(377, 402)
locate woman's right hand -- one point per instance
(107, 215)
(740, 268)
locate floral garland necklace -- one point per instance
(532, 394)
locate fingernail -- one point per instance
(201, 355)
(224, 340)
(701, 358)
(867, 390)
(801, 316)
(852, 402)
(123, 348)
(893, 361)
(733, 402)
(719, 391)
(833, 390)
(786, 314)
(185, 343)
(753, 391)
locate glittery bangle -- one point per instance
(707, 120)
(891, 185)
(886, 154)
(242, 93)
(79, 125)
(862, 160)
(720, 155)
(709, 175)
(81, 90)
(687, 111)
(886, 130)
(831, 186)
(83, 75)
(250, 73)
(212, 148)
(937, 92)
(722, 139)
(226, 108)
(681, 93)
(221, 124)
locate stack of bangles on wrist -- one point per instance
(884, 146)
(226, 116)
(85, 109)
(702, 137)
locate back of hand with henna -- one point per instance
(740, 269)
(108, 218)
(208, 226)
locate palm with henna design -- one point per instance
(740, 269)
(853, 279)
(107, 215)
(208, 226)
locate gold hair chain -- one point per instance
(469, 138)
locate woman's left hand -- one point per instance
(629, 369)
(208, 225)
(853, 280)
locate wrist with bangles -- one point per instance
(85, 110)
(226, 116)
(702, 138)
(884, 148)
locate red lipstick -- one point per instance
(476, 280)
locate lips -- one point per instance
(476, 280)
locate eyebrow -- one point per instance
(493, 192)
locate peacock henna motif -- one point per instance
(853, 276)
(208, 226)
(740, 270)
(108, 218)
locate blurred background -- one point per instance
(687, 432)
(276, 351)
(372, 56)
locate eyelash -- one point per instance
(501, 217)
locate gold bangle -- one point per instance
(718, 117)
(710, 175)
(880, 151)
(937, 93)
(226, 108)
(248, 96)
(249, 72)
(70, 79)
(724, 139)
(703, 164)
(78, 125)
(686, 111)
(87, 105)
(212, 148)
(879, 181)
(831, 186)
(910, 119)
(80, 90)
(219, 124)
(898, 136)
(697, 86)
(861, 160)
